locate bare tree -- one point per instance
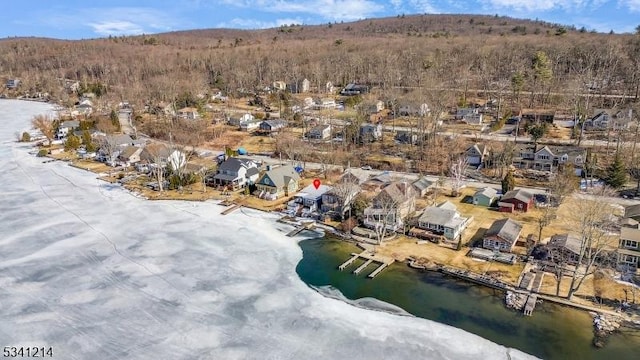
(384, 213)
(456, 172)
(109, 147)
(563, 184)
(591, 217)
(46, 125)
(346, 190)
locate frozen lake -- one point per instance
(97, 273)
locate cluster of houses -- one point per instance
(529, 156)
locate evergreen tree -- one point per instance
(616, 173)
(89, 145)
(508, 183)
(115, 120)
(72, 143)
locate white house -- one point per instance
(325, 103)
(308, 200)
(279, 85)
(65, 127)
(188, 113)
(249, 126)
(443, 219)
(237, 173)
(237, 121)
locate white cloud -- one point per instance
(257, 24)
(327, 9)
(633, 5)
(543, 5)
(424, 6)
(397, 4)
(115, 21)
(106, 28)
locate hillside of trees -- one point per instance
(419, 51)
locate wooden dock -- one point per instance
(530, 305)
(231, 209)
(362, 267)
(370, 258)
(378, 270)
(348, 262)
(299, 229)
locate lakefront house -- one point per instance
(277, 182)
(391, 207)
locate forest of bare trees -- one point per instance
(416, 51)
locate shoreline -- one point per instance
(600, 335)
(335, 232)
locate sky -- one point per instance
(76, 19)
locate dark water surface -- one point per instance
(553, 332)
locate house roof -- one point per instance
(480, 148)
(310, 192)
(320, 128)
(629, 222)
(444, 214)
(632, 210)
(570, 242)
(519, 195)
(422, 183)
(224, 177)
(129, 151)
(505, 229)
(627, 233)
(398, 191)
(547, 149)
(448, 205)
(275, 123)
(71, 124)
(152, 150)
(252, 171)
(359, 175)
(234, 164)
(281, 175)
(488, 192)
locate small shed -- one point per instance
(485, 196)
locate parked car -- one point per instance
(367, 167)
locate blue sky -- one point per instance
(76, 19)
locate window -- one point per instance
(629, 259)
(630, 244)
(543, 157)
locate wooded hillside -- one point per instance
(427, 51)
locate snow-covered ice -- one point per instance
(98, 273)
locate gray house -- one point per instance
(236, 173)
(422, 186)
(370, 132)
(443, 219)
(485, 196)
(502, 235)
(477, 154)
(320, 132)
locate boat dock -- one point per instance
(530, 305)
(362, 267)
(300, 228)
(369, 258)
(231, 209)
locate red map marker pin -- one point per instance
(316, 183)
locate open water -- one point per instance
(553, 332)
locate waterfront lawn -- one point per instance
(404, 247)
